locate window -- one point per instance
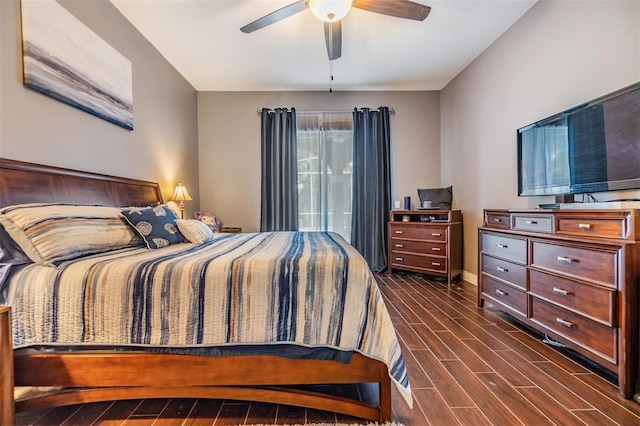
(325, 161)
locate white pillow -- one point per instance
(195, 231)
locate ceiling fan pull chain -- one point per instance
(330, 76)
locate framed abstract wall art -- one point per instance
(66, 60)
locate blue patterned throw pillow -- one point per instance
(156, 225)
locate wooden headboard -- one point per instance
(22, 182)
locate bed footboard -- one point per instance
(7, 413)
(263, 378)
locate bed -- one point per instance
(233, 316)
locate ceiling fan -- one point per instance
(332, 12)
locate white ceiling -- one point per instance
(202, 40)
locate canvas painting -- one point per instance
(66, 60)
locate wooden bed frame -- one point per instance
(91, 376)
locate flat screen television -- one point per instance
(594, 147)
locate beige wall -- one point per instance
(229, 144)
(558, 55)
(163, 145)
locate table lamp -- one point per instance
(181, 195)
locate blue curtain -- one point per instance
(279, 190)
(371, 185)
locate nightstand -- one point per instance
(7, 407)
(426, 241)
(231, 230)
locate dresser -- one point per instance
(426, 241)
(570, 274)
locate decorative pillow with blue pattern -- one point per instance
(156, 225)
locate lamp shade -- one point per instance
(330, 10)
(181, 193)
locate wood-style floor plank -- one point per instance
(435, 408)
(453, 392)
(515, 403)
(117, 412)
(470, 416)
(467, 366)
(204, 412)
(548, 404)
(88, 414)
(556, 389)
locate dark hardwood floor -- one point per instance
(468, 366)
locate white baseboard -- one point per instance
(470, 277)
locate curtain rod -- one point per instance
(391, 111)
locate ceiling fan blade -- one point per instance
(275, 16)
(333, 37)
(399, 8)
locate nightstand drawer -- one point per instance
(421, 247)
(594, 265)
(418, 232)
(513, 273)
(231, 229)
(597, 303)
(504, 246)
(590, 335)
(432, 263)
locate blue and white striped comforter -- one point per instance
(311, 289)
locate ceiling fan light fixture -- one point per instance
(330, 10)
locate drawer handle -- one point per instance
(399, 259)
(501, 269)
(500, 292)
(584, 225)
(497, 219)
(435, 248)
(564, 322)
(532, 222)
(435, 234)
(399, 232)
(435, 264)
(399, 245)
(560, 291)
(501, 245)
(565, 259)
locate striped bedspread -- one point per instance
(311, 289)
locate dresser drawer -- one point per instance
(419, 232)
(594, 302)
(590, 335)
(422, 247)
(507, 296)
(536, 223)
(432, 263)
(513, 273)
(505, 246)
(591, 227)
(497, 220)
(598, 266)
